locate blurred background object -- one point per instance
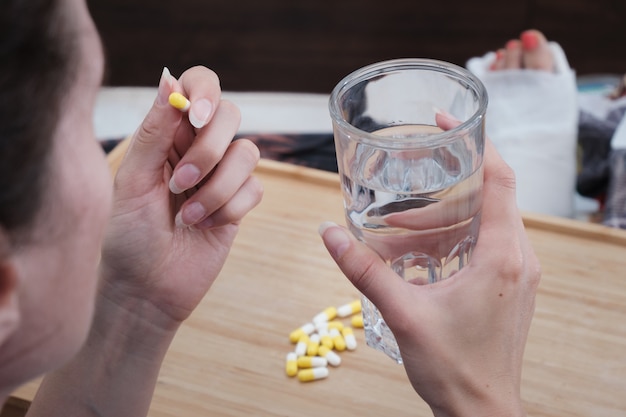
(308, 46)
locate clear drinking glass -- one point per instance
(412, 191)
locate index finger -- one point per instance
(202, 87)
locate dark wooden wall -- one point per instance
(309, 45)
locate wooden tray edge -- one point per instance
(563, 226)
(576, 228)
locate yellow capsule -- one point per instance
(312, 374)
(332, 358)
(335, 324)
(313, 345)
(311, 362)
(338, 341)
(348, 336)
(349, 309)
(292, 364)
(305, 329)
(295, 335)
(357, 321)
(180, 102)
(325, 339)
(327, 315)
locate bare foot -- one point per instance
(530, 51)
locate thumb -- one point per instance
(152, 142)
(362, 266)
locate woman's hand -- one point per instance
(462, 339)
(179, 196)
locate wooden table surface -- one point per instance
(229, 357)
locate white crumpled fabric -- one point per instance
(532, 119)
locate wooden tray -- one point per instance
(229, 357)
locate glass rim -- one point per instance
(383, 67)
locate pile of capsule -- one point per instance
(317, 342)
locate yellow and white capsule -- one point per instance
(302, 345)
(357, 321)
(335, 324)
(349, 309)
(327, 315)
(180, 102)
(338, 341)
(325, 339)
(313, 345)
(321, 326)
(332, 358)
(305, 329)
(291, 367)
(311, 362)
(312, 374)
(348, 336)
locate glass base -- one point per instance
(377, 333)
(412, 266)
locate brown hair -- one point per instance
(37, 55)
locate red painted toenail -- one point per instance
(529, 40)
(512, 44)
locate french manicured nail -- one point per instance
(200, 113)
(184, 178)
(190, 214)
(336, 238)
(165, 87)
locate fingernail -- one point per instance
(529, 40)
(184, 178)
(190, 214)
(336, 238)
(200, 112)
(445, 114)
(165, 86)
